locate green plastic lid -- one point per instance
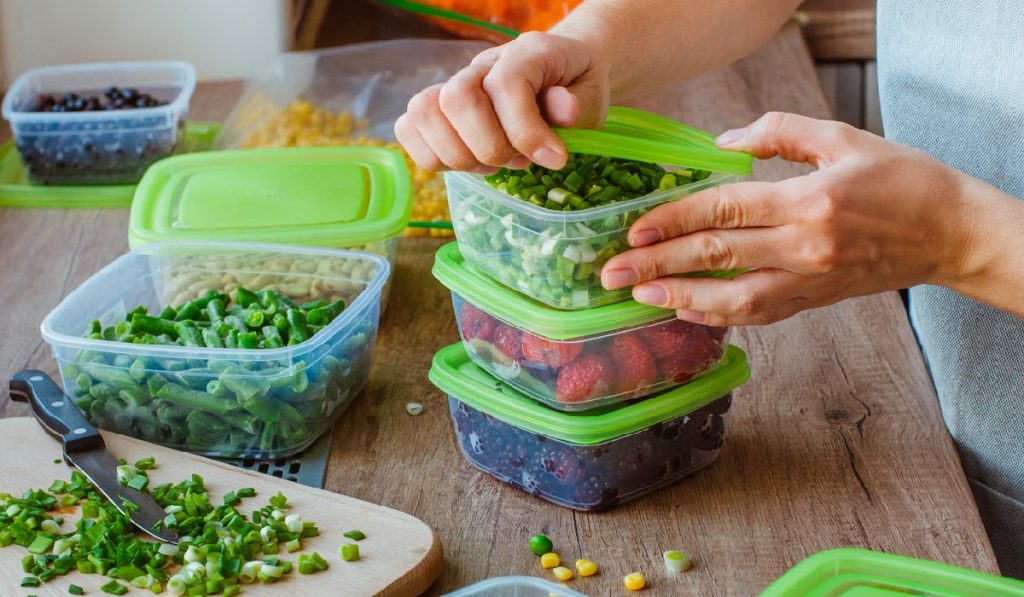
(17, 191)
(455, 374)
(452, 270)
(318, 196)
(851, 572)
(633, 134)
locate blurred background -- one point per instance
(234, 39)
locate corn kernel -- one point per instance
(634, 581)
(562, 573)
(550, 560)
(586, 567)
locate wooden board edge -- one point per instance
(418, 579)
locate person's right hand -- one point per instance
(498, 110)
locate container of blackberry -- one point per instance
(98, 124)
(590, 460)
(574, 360)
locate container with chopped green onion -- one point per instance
(546, 233)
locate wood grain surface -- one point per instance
(836, 441)
(399, 557)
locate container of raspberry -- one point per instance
(574, 360)
(590, 460)
(98, 124)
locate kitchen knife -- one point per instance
(84, 448)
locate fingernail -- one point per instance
(549, 158)
(650, 294)
(485, 169)
(691, 316)
(644, 238)
(618, 278)
(731, 137)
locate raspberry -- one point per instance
(506, 341)
(635, 366)
(697, 354)
(476, 325)
(668, 338)
(550, 352)
(587, 377)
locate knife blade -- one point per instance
(85, 449)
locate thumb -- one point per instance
(582, 104)
(792, 137)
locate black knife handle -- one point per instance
(55, 411)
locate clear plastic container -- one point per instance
(100, 147)
(219, 402)
(554, 257)
(515, 586)
(574, 360)
(374, 81)
(341, 197)
(590, 460)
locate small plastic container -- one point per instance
(574, 360)
(556, 257)
(99, 147)
(590, 460)
(515, 586)
(265, 403)
(340, 197)
(850, 572)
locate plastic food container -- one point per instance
(556, 257)
(574, 360)
(515, 586)
(101, 147)
(850, 572)
(589, 460)
(350, 95)
(268, 403)
(341, 197)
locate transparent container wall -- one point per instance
(388, 249)
(592, 371)
(374, 81)
(101, 147)
(591, 477)
(219, 402)
(552, 256)
(515, 586)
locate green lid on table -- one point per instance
(458, 376)
(17, 191)
(850, 572)
(459, 276)
(317, 196)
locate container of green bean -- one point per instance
(547, 233)
(220, 348)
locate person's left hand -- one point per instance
(874, 216)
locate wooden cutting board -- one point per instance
(400, 555)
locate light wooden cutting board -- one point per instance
(400, 555)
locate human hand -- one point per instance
(874, 216)
(498, 110)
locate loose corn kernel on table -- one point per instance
(837, 440)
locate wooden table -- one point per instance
(836, 441)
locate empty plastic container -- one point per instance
(218, 401)
(515, 586)
(98, 147)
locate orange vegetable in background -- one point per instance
(494, 20)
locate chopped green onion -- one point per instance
(76, 590)
(350, 552)
(355, 535)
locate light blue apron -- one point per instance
(951, 78)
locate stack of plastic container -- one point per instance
(576, 394)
